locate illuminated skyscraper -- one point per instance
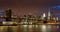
(49, 14)
(57, 18)
(44, 15)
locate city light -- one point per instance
(43, 27)
(30, 26)
(36, 26)
(29, 15)
(31, 19)
(25, 22)
(57, 18)
(44, 15)
(24, 25)
(7, 23)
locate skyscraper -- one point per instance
(2, 14)
(49, 14)
(8, 15)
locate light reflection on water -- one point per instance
(31, 28)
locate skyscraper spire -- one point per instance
(49, 14)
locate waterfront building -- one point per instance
(2, 14)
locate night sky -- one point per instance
(34, 7)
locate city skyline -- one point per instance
(29, 15)
(38, 12)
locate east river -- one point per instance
(31, 28)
